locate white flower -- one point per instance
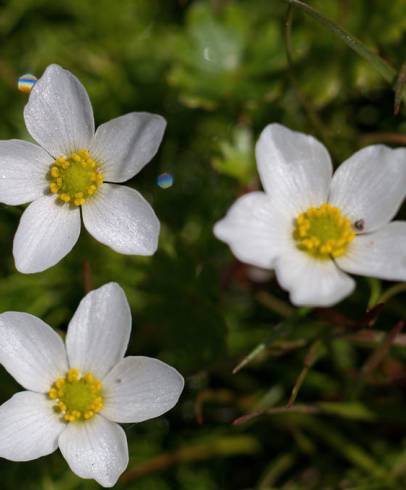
(78, 391)
(311, 226)
(75, 167)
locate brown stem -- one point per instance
(277, 410)
(87, 276)
(382, 350)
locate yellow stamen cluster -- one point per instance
(323, 232)
(75, 178)
(76, 397)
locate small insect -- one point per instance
(26, 82)
(359, 224)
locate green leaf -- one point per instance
(350, 410)
(386, 70)
(237, 158)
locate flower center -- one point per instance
(77, 397)
(75, 178)
(323, 232)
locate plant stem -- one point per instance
(380, 65)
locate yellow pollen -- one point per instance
(77, 398)
(53, 393)
(75, 178)
(59, 383)
(73, 375)
(323, 232)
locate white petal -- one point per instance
(31, 351)
(29, 428)
(312, 282)
(46, 233)
(59, 114)
(378, 254)
(254, 230)
(123, 220)
(140, 388)
(99, 331)
(96, 449)
(371, 185)
(125, 144)
(295, 168)
(23, 172)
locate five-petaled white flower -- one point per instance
(77, 393)
(312, 227)
(75, 167)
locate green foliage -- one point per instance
(237, 156)
(217, 70)
(226, 57)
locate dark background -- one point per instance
(218, 72)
